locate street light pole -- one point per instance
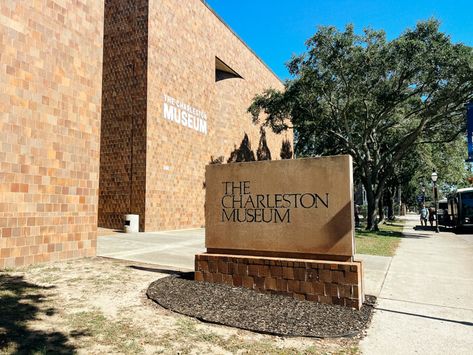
(434, 180)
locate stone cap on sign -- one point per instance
(285, 208)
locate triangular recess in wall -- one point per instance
(223, 71)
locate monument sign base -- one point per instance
(329, 282)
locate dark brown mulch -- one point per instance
(258, 312)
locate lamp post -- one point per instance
(434, 180)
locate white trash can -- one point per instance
(131, 223)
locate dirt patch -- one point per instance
(96, 306)
(260, 312)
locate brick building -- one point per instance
(50, 102)
(196, 81)
(139, 92)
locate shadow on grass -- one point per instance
(380, 233)
(21, 302)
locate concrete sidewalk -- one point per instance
(171, 249)
(426, 302)
(175, 250)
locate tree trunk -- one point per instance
(381, 210)
(371, 218)
(390, 203)
(374, 192)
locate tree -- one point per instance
(371, 98)
(447, 159)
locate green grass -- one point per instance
(186, 334)
(120, 335)
(383, 242)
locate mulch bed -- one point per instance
(259, 312)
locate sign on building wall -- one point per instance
(302, 206)
(184, 114)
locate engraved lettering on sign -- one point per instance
(239, 205)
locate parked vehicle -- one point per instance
(460, 209)
(442, 213)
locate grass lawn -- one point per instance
(99, 306)
(383, 242)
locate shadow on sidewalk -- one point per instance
(442, 229)
(396, 224)
(188, 275)
(390, 234)
(20, 303)
(468, 324)
(408, 235)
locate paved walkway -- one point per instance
(426, 301)
(175, 250)
(172, 249)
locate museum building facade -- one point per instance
(111, 108)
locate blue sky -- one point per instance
(276, 29)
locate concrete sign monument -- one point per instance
(284, 226)
(282, 208)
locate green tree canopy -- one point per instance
(372, 98)
(447, 159)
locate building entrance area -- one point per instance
(174, 250)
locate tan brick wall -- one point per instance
(327, 282)
(184, 39)
(50, 101)
(123, 130)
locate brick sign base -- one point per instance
(326, 282)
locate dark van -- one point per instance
(460, 209)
